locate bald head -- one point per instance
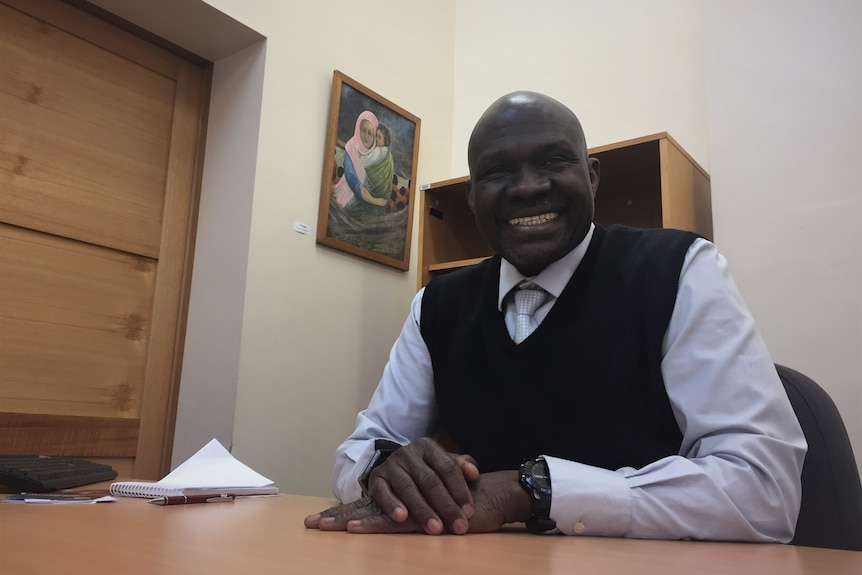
(507, 109)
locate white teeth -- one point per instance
(534, 220)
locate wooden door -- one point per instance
(101, 145)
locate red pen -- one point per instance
(185, 499)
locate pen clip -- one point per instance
(221, 498)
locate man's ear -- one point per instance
(470, 195)
(595, 171)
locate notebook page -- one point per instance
(214, 466)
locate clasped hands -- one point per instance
(422, 488)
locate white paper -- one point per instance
(105, 499)
(214, 466)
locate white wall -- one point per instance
(784, 90)
(627, 68)
(207, 399)
(318, 323)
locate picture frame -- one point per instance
(369, 175)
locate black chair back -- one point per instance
(831, 513)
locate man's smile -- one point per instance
(534, 220)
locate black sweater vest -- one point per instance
(587, 384)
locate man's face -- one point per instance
(532, 185)
(366, 133)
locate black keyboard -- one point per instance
(40, 473)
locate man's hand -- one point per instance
(426, 484)
(498, 497)
(421, 483)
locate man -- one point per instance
(644, 404)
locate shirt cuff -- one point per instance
(357, 457)
(588, 500)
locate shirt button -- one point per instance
(579, 528)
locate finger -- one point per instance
(346, 507)
(468, 466)
(470, 469)
(380, 491)
(382, 524)
(383, 489)
(336, 518)
(455, 472)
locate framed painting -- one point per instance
(369, 175)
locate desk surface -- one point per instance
(266, 535)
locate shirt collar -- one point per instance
(553, 279)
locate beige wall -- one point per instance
(317, 324)
(627, 68)
(784, 87)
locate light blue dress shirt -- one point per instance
(737, 475)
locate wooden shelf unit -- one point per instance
(647, 182)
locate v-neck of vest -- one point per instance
(567, 300)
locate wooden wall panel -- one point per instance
(74, 326)
(101, 155)
(85, 138)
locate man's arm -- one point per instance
(402, 409)
(737, 476)
(421, 480)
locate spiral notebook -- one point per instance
(211, 470)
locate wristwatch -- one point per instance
(536, 481)
(383, 448)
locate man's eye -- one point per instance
(494, 172)
(557, 161)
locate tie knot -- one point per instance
(528, 298)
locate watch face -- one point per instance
(539, 469)
(536, 480)
(376, 460)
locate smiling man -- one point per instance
(634, 398)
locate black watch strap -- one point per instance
(535, 478)
(383, 448)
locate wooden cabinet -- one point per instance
(648, 182)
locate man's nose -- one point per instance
(528, 181)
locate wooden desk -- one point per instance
(254, 536)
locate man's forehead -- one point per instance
(513, 111)
(506, 131)
(504, 115)
(512, 140)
